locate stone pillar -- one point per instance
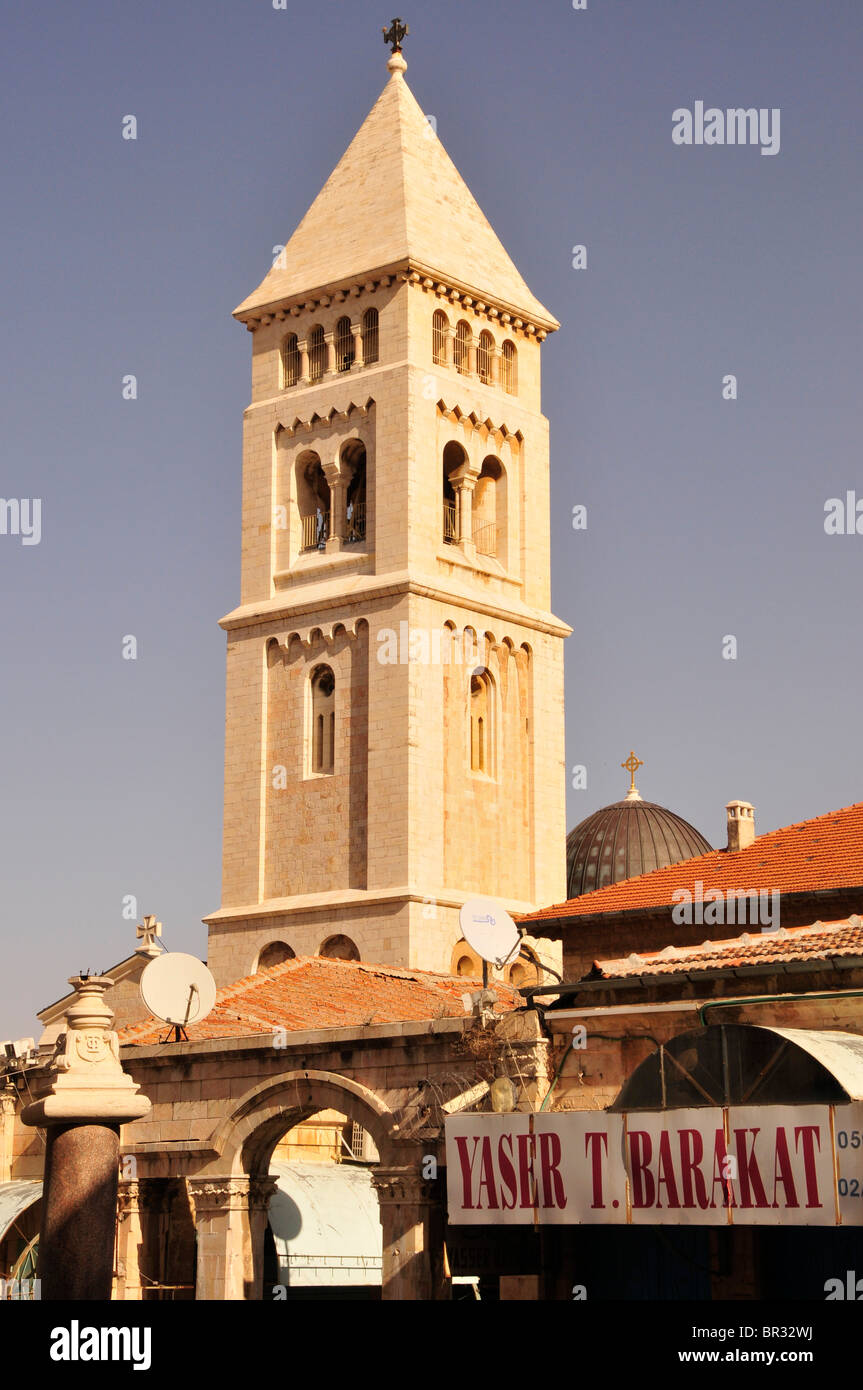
(357, 331)
(130, 1240)
(495, 367)
(8, 1106)
(338, 474)
(81, 1098)
(260, 1192)
(412, 1220)
(330, 342)
(463, 481)
(303, 349)
(230, 1216)
(79, 1205)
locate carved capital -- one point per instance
(220, 1194)
(128, 1198)
(260, 1192)
(405, 1186)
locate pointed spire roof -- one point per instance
(394, 197)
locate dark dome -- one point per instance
(628, 838)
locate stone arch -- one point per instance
(491, 509)
(231, 1196)
(339, 947)
(313, 500)
(247, 1137)
(273, 953)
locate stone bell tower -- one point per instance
(394, 737)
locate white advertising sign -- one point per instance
(743, 1165)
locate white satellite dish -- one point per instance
(178, 989)
(489, 930)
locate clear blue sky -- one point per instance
(705, 517)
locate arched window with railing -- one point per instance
(344, 345)
(484, 356)
(462, 344)
(440, 338)
(317, 353)
(323, 720)
(313, 502)
(509, 368)
(371, 325)
(290, 361)
(489, 510)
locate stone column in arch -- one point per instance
(230, 1216)
(81, 1098)
(339, 475)
(130, 1240)
(412, 1220)
(357, 332)
(261, 1190)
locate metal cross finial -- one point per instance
(147, 932)
(394, 35)
(632, 765)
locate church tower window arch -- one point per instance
(481, 723)
(317, 353)
(489, 510)
(371, 337)
(344, 345)
(509, 368)
(339, 948)
(323, 721)
(463, 340)
(440, 338)
(290, 361)
(485, 357)
(313, 501)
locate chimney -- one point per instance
(741, 824)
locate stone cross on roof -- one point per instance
(147, 933)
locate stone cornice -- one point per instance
(355, 897)
(480, 303)
(395, 586)
(154, 1056)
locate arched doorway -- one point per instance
(232, 1199)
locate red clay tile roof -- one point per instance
(313, 992)
(824, 853)
(819, 941)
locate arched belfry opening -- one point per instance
(455, 463)
(489, 510)
(353, 456)
(313, 502)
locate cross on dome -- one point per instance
(632, 765)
